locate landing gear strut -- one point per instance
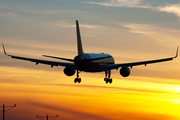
(77, 79)
(108, 76)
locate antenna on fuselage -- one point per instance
(79, 43)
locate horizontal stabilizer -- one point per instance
(71, 60)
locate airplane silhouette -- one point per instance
(90, 62)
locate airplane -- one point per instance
(90, 62)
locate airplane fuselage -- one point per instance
(90, 62)
(92, 66)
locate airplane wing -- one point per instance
(116, 66)
(37, 61)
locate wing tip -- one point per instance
(177, 52)
(4, 49)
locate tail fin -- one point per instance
(79, 43)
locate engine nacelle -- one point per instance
(69, 72)
(125, 71)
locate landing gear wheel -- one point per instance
(77, 79)
(110, 81)
(107, 81)
(108, 77)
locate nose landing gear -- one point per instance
(77, 79)
(107, 76)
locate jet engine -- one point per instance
(125, 71)
(69, 72)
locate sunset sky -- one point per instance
(129, 30)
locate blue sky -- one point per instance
(131, 26)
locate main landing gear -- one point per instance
(77, 79)
(107, 76)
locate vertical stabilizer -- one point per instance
(79, 43)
